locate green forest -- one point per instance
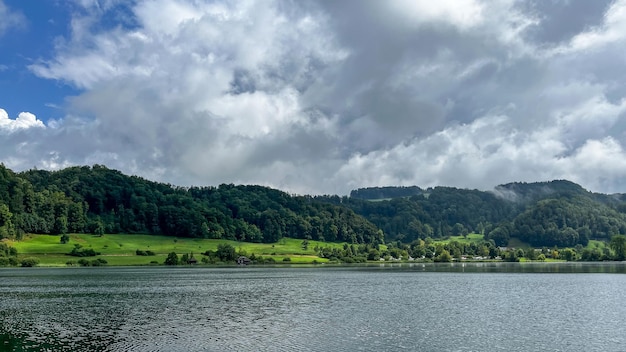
(409, 220)
(556, 213)
(99, 200)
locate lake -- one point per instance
(430, 307)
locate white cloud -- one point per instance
(194, 42)
(612, 30)
(199, 87)
(490, 151)
(24, 120)
(323, 97)
(460, 13)
(10, 18)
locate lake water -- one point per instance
(449, 307)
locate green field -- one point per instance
(472, 237)
(119, 249)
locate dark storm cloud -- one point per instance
(563, 19)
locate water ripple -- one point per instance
(277, 309)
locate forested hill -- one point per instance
(100, 200)
(551, 213)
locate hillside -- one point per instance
(558, 212)
(99, 200)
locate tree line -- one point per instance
(99, 200)
(556, 213)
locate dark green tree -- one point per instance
(226, 252)
(97, 227)
(444, 256)
(530, 254)
(7, 229)
(568, 254)
(172, 259)
(618, 245)
(76, 217)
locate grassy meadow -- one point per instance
(472, 237)
(119, 249)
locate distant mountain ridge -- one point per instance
(514, 191)
(374, 193)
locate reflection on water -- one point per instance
(431, 307)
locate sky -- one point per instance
(318, 97)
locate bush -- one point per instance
(7, 251)
(78, 251)
(4, 261)
(226, 252)
(29, 262)
(144, 253)
(70, 263)
(444, 257)
(83, 262)
(98, 262)
(286, 259)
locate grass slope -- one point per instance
(472, 237)
(119, 249)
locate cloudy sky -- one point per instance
(318, 97)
